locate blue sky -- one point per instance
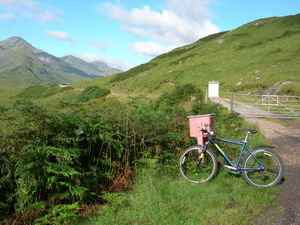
(125, 33)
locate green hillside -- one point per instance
(251, 58)
(22, 65)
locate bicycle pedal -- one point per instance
(235, 172)
(232, 170)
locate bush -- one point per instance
(91, 92)
(183, 93)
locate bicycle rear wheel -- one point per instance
(197, 166)
(273, 168)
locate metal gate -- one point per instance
(273, 106)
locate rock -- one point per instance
(220, 41)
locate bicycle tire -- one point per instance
(270, 176)
(195, 169)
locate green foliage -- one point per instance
(2, 109)
(43, 177)
(91, 92)
(182, 93)
(59, 214)
(27, 107)
(292, 89)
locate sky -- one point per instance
(126, 33)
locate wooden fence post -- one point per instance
(231, 103)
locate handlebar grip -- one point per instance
(204, 130)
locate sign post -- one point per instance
(213, 89)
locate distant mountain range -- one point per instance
(24, 65)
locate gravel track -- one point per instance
(284, 135)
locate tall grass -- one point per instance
(164, 200)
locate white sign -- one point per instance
(213, 89)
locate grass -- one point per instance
(43, 91)
(162, 199)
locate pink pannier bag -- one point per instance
(196, 123)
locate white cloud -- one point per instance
(7, 16)
(149, 48)
(193, 9)
(179, 23)
(102, 45)
(89, 57)
(119, 64)
(59, 35)
(31, 9)
(114, 63)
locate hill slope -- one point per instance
(251, 58)
(22, 65)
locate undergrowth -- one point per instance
(52, 163)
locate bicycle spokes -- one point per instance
(197, 166)
(269, 174)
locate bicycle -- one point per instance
(260, 167)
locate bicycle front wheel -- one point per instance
(272, 172)
(197, 166)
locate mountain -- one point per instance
(94, 69)
(253, 58)
(259, 57)
(23, 65)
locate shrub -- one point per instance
(91, 92)
(182, 93)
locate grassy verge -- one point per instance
(162, 199)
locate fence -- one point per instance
(273, 106)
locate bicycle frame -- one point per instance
(243, 145)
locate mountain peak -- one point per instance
(15, 42)
(71, 58)
(94, 69)
(15, 39)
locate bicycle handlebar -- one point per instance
(249, 131)
(205, 130)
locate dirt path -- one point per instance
(285, 136)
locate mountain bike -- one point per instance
(260, 166)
